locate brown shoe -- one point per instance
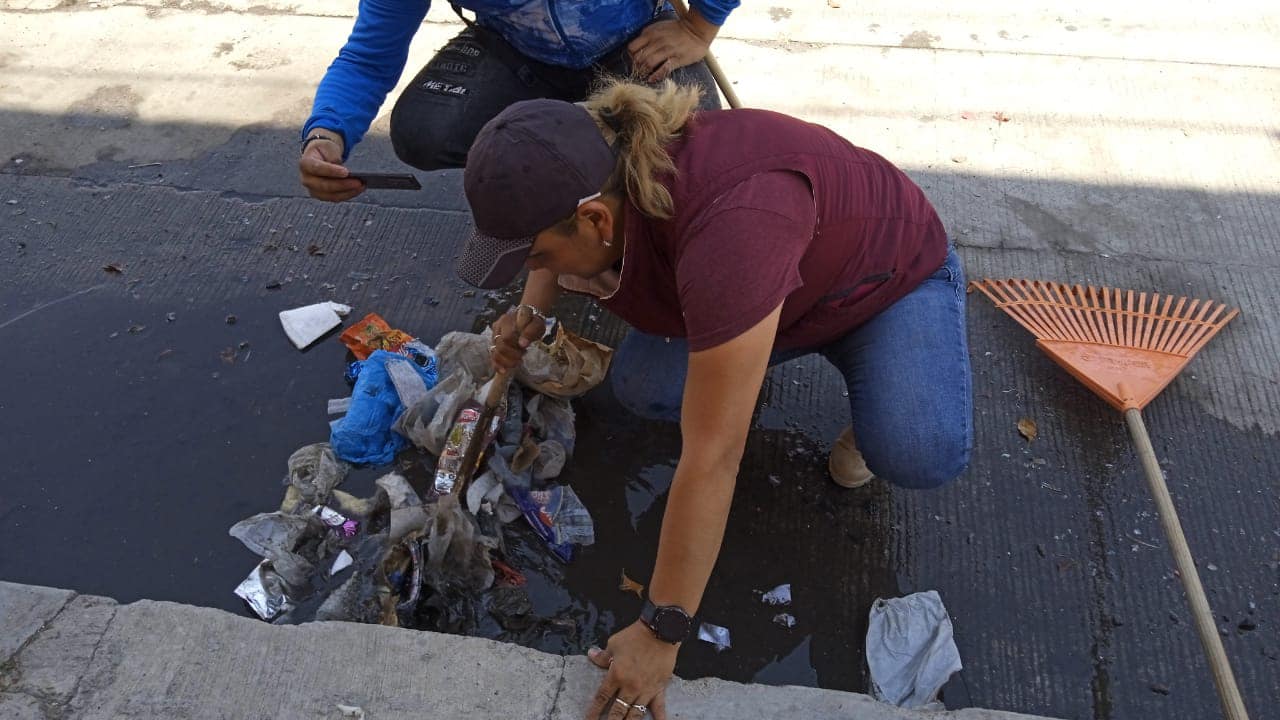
(845, 463)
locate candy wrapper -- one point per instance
(264, 591)
(558, 516)
(373, 333)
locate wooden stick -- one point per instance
(712, 65)
(1232, 704)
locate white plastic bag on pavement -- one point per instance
(910, 650)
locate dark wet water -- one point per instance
(127, 455)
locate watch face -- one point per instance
(670, 624)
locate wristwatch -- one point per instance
(669, 623)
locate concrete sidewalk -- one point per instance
(65, 656)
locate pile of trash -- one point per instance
(434, 559)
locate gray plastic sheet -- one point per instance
(911, 650)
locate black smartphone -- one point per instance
(387, 181)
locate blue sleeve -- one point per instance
(714, 11)
(366, 69)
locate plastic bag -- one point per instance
(427, 423)
(364, 435)
(567, 368)
(275, 536)
(315, 471)
(911, 650)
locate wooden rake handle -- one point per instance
(721, 80)
(1232, 703)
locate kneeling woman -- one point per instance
(730, 241)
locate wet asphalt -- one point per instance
(147, 410)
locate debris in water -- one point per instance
(629, 585)
(1027, 429)
(780, 595)
(715, 635)
(342, 562)
(911, 650)
(309, 323)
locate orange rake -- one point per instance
(1126, 347)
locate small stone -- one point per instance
(1174, 617)
(244, 344)
(1159, 688)
(1212, 567)
(1040, 550)
(468, 293)
(231, 319)
(171, 316)
(10, 202)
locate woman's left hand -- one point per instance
(667, 45)
(638, 666)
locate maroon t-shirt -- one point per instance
(773, 210)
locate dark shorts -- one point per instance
(477, 74)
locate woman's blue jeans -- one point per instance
(907, 371)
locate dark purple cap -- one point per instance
(528, 169)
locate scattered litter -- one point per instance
(338, 406)
(342, 562)
(114, 268)
(714, 634)
(911, 651)
(364, 435)
(307, 324)
(264, 591)
(373, 333)
(567, 368)
(1027, 429)
(629, 585)
(351, 711)
(780, 595)
(786, 620)
(144, 165)
(135, 329)
(559, 518)
(315, 250)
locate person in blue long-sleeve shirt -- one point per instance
(512, 50)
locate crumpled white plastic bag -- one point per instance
(911, 650)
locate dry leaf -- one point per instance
(114, 268)
(1027, 428)
(629, 585)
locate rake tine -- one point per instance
(1056, 310)
(1186, 326)
(1173, 319)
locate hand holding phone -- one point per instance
(386, 181)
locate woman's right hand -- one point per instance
(509, 343)
(323, 174)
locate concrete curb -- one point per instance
(69, 656)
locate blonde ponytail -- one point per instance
(642, 120)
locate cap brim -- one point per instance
(490, 263)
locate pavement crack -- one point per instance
(555, 701)
(93, 655)
(11, 662)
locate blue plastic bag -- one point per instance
(364, 435)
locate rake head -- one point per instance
(1125, 346)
